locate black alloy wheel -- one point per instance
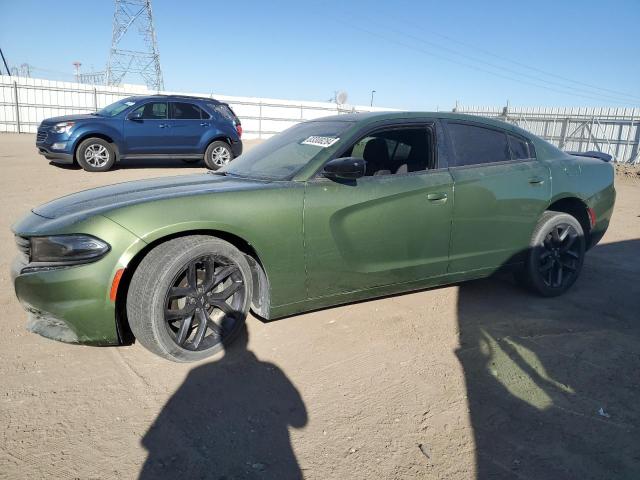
(555, 254)
(201, 305)
(559, 256)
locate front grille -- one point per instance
(24, 246)
(42, 135)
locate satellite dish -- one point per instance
(341, 97)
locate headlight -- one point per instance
(63, 127)
(62, 250)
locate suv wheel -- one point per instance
(218, 154)
(95, 155)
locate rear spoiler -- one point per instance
(605, 157)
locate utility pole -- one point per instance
(134, 18)
(372, 92)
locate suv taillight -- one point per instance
(239, 129)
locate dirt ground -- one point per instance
(479, 380)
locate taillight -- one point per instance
(239, 129)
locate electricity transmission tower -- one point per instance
(134, 48)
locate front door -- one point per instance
(391, 226)
(147, 130)
(501, 189)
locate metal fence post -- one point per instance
(563, 134)
(260, 120)
(15, 96)
(95, 99)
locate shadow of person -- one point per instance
(552, 383)
(228, 420)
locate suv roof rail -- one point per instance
(190, 97)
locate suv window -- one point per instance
(225, 112)
(185, 111)
(395, 151)
(520, 148)
(153, 111)
(478, 145)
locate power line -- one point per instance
(616, 98)
(539, 70)
(482, 69)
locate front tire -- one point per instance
(189, 297)
(556, 254)
(217, 155)
(95, 155)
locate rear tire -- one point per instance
(556, 255)
(217, 155)
(189, 297)
(95, 155)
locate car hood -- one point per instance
(103, 199)
(68, 118)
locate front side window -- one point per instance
(185, 111)
(395, 151)
(152, 111)
(475, 145)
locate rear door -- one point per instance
(500, 191)
(147, 130)
(391, 226)
(188, 125)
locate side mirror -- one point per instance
(348, 168)
(135, 116)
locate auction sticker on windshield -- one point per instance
(318, 141)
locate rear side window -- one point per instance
(153, 111)
(225, 112)
(477, 145)
(520, 148)
(185, 111)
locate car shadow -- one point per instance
(128, 164)
(134, 163)
(553, 384)
(229, 419)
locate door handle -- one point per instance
(164, 125)
(536, 180)
(437, 197)
(204, 124)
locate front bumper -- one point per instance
(45, 141)
(56, 157)
(72, 304)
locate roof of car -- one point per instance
(397, 115)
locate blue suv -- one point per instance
(157, 126)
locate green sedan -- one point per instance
(331, 211)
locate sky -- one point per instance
(415, 54)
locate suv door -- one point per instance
(501, 189)
(147, 129)
(391, 226)
(188, 125)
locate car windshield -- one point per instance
(284, 154)
(116, 108)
